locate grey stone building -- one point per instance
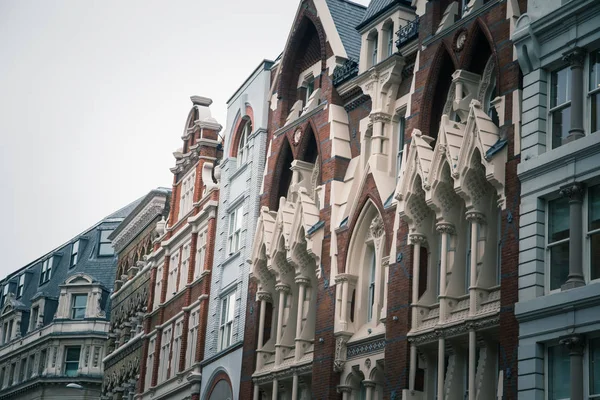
(55, 317)
(240, 179)
(558, 47)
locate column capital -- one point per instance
(266, 296)
(574, 191)
(575, 57)
(417, 238)
(368, 384)
(302, 280)
(282, 287)
(475, 216)
(445, 227)
(344, 389)
(575, 344)
(380, 117)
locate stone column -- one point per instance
(275, 393)
(574, 192)
(263, 297)
(472, 362)
(370, 385)
(302, 282)
(441, 367)
(295, 387)
(575, 344)
(417, 241)
(345, 391)
(576, 58)
(412, 372)
(445, 229)
(283, 290)
(256, 394)
(476, 219)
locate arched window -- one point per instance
(242, 151)
(389, 37)
(373, 43)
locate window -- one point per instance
(8, 327)
(594, 90)
(105, 248)
(401, 133)
(242, 154)
(172, 280)
(374, 52)
(157, 287)
(22, 366)
(227, 312)
(20, 286)
(200, 253)
(593, 227)
(390, 44)
(78, 305)
(499, 250)
(185, 266)
(439, 265)
(33, 321)
(310, 88)
(187, 194)
(2, 373)
(30, 365)
(594, 349)
(164, 355)
(74, 253)
(176, 348)
(42, 362)
(46, 270)
(372, 269)
(72, 355)
(4, 294)
(468, 259)
(492, 94)
(190, 357)
(150, 362)
(235, 229)
(11, 374)
(559, 371)
(560, 106)
(558, 241)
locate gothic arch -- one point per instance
(478, 48)
(282, 175)
(240, 122)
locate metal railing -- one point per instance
(407, 33)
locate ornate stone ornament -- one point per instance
(376, 227)
(297, 137)
(459, 40)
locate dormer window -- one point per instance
(78, 305)
(20, 286)
(242, 154)
(33, 320)
(74, 254)
(105, 248)
(46, 270)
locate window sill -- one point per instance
(232, 256)
(239, 170)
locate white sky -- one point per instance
(93, 99)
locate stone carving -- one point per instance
(376, 228)
(340, 359)
(573, 191)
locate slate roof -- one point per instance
(378, 7)
(346, 16)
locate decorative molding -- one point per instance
(460, 38)
(365, 347)
(574, 191)
(154, 208)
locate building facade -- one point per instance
(384, 263)
(180, 266)
(133, 241)
(559, 295)
(55, 318)
(240, 177)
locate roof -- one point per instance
(378, 7)
(346, 16)
(264, 65)
(125, 211)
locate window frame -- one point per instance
(548, 249)
(46, 271)
(592, 92)
(67, 362)
(372, 287)
(234, 231)
(20, 286)
(226, 318)
(193, 327)
(243, 144)
(309, 85)
(35, 311)
(74, 308)
(375, 50)
(390, 39)
(150, 360)
(555, 108)
(187, 187)
(201, 244)
(75, 253)
(401, 144)
(104, 242)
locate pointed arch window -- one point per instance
(372, 273)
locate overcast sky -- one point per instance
(94, 97)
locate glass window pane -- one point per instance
(594, 208)
(595, 256)
(561, 90)
(559, 265)
(104, 235)
(106, 249)
(595, 112)
(595, 70)
(559, 369)
(561, 122)
(595, 366)
(231, 307)
(558, 220)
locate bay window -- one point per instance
(558, 241)
(560, 105)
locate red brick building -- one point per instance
(386, 254)
(181, 263)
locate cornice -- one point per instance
(140, 221)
